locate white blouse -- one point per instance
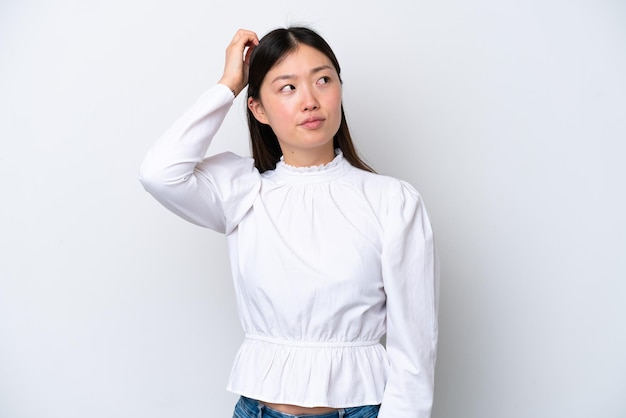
(325, 261)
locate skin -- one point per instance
(300, 98)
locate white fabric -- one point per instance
(325, 261)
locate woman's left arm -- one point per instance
(411, 282)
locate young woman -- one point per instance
(327, 257)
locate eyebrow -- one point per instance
(292, 76)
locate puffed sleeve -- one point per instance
(213, 192)
(411, 283)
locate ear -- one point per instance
(257, 110)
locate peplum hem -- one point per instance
(334, 374)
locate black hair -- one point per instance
(272, 48)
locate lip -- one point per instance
(312, 122)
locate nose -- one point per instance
(309, 100)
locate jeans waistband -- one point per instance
(254, 409)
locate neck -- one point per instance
(310, 158)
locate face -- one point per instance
(300, 98)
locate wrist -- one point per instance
(230, 86)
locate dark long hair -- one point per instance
(272, 48)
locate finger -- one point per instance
(248, 53)
(238, 54)
(245, 37)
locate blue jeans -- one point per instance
(249, 408)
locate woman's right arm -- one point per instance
(208, 192)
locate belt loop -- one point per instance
(340, 413)
(260, 407)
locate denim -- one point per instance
(249, 408)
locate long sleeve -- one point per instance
(214, 192)
(410, 275)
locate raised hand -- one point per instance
(238, 60)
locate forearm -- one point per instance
(175, 155)
(175, 171)
(410, 272)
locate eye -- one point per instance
(287, 87)
(324, 80)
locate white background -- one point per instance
(508, 116)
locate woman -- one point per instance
(327, 257)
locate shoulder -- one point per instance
(394, 202)
(384, 187)
(228, 167)
(235, 182)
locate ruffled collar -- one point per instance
(320, 172)
(312, 169)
